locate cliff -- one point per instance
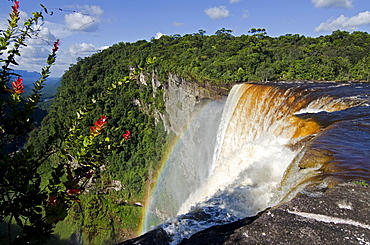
(183, 98)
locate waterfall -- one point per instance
(264, 152)
(186, 165)
(251, 156)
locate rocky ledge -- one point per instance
(339, 215)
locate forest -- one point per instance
(109, 211)
(256, 57)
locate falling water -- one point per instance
(187, 165)
(272, 140)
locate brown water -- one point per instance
(345, 139)
(341, 148)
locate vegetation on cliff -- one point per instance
(109, 210)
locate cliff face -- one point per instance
(183, 98)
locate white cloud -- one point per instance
(103, 47)
(34, 56)
(68, 55)
(44, 36)
(332, 3)
(345, 23)
(58, 30)
(94, 10)
(23, 16)
(217, 13)
(158, 35)
(87, 20)
(82, 49)
(80, 22)
(234, 1)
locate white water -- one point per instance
(248, 164)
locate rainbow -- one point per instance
(173, 145)
(153, 186)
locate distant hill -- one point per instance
(51, 84)
(28, 77)
(48, 92)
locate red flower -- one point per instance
(101, 121)
(98, 125)
(18, 86)
(126, 135)
(56, 46)
(15, 7)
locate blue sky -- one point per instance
(86, 26)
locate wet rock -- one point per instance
(154, 237)
(337, 216)
(315, 157)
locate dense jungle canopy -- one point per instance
(256, 57)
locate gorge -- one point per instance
(273, 141)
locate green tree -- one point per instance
(258, 32)
(224, 32)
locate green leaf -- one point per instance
(86, 141)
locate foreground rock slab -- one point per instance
(340, 215)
